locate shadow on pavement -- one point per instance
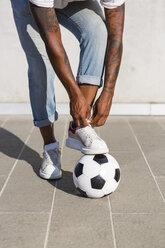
(11, 146)
(66, 183)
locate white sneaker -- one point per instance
(51, 165)
(86, 140)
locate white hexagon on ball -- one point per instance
(92, 170)
(84, 183)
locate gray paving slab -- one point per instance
(153, 148)
(77, 221)
(1, 121)
(60, 126)
(26, 195)
(13, 136)
(81, 227)
(126, 157)
(161, 121)
(19, 125)
(146, 125)
(134, 193)
(117, 135)
(139, 230)
(22, 230)
(4, 118)
(137, 191)
(161, 182)
(26, 191)
(2, 181)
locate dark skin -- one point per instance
(80, 100)
(89, 92)
(115, 25)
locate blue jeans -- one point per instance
(86, 21)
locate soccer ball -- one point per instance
(96, 175)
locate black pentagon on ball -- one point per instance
(117, 175)
(100, 158)
(82, 192)
(97, 182)
(78, 169)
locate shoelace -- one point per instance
(89, 134)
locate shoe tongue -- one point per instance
(51, 146)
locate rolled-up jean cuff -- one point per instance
(46, 122)
(92, 80)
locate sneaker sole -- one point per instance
(46, 176)
(77, 145)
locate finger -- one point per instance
(95, 120)
(100, 122)
(84, 122)
(77, 121)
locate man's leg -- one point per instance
(47, 133)
(41, 87)
(40, 72)
(86, 21)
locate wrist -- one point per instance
(74, 92)
(108, 92)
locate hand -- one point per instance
(80, 110)
(101, 109)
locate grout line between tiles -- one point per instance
(112, 224)
(131, 128)
(50, 217)
(23, 212)
(110, 214)
(48, 213)
(127, 213)
(15, 163)
(54, 194)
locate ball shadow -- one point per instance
(66, 184)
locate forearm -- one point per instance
(115, 24)
(49, 29)
(61, 65)
(113, 61)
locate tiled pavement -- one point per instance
(48, 214)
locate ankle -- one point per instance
(49, 141)
(51, 146)
(47, 133)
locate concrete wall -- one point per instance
(142, 74)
